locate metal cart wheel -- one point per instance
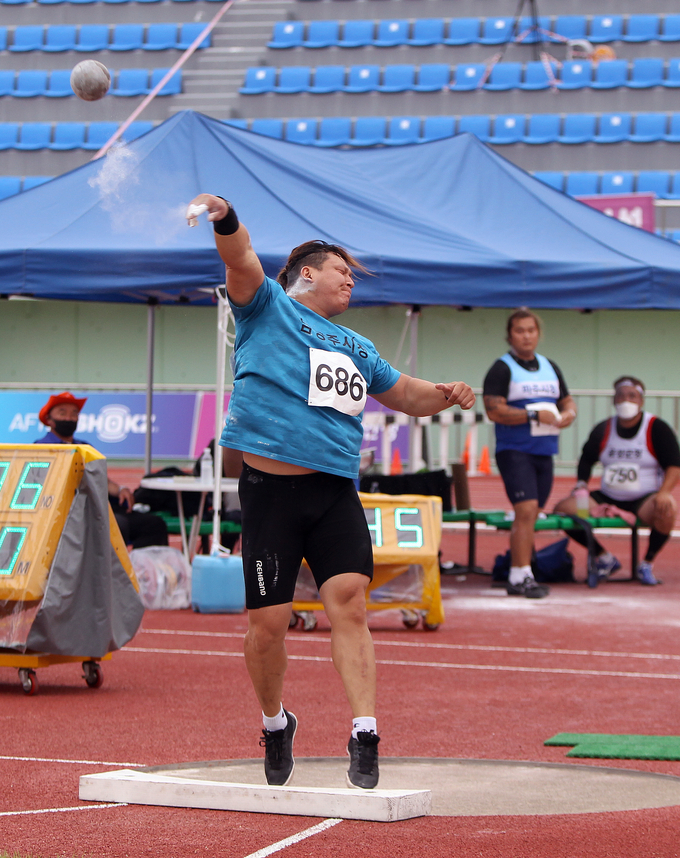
(430, 627)
(93, 674)
(409, 619)
(29, 680)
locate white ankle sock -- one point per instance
(365, 725)
(278, 722)
(519, 573)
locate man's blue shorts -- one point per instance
(526, 476)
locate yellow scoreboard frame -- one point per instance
(405, 530)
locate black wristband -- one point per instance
(532, 416)
(229, 223)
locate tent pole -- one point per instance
(222, 319)
(150, 336)
(414, 447)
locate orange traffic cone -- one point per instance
(484, 466)
(465, 458)
(396, 462)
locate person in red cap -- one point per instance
(139, 529)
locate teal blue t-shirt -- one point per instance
(300, 384)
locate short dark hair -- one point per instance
(522, 313)
(630, 379)
(313, 253)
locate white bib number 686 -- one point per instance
(335, 382)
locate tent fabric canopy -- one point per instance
(443, 223)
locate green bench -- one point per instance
(205, 528)
(472, 517)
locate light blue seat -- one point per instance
(398, 78)
(509, 128)
(646, 72)
(127, 37)
(543, 128)
(582, 184)
(673, 235)
(294, 79)
(570, 26)
(648, 127)
(31, 182)
(9, 185)
(28, 38)
(268, 128)
(613, 128)
(287, 34)
(92, 37)
(131, 82)
(259, 80)
(363, 78)
(301, 131)
(368, 131)
(391, 33)
(578, 128)
(322, 34)
(504, 76)
(673, 133)
(82, 2)
(433, 77)
(160, 37)
(536, 76)
(403, 130)
(480, 126)
(60, 38)
(427, 31)
(237, 123)
(59, 84)
(189, 32)
(462, 31)
(9, 134)
(357, 34)
(136, 129)
(99, 133)
(334, 131)
(605, 28)
(617, 182)
(526, 24)
(328, 79)
(642, 28)
(30, 83)
(34, 135)
(496, 31)
(438, 128)
(116, 1)
(68, 135)
(575, 74)
(653, 182)
(610, 74)
(7, 77)
(553, 178)
(468, 76)
(171, 87)
(670, 28)
(672, 78)
(15, 2)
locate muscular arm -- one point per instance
(419, 398)
(498, 411)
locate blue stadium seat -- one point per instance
(610, 74)
(553, 178)
(496, 31)
(322, 34)
(462, 31)
(144, 1)
(334, 131)
(646, 72)
(543, 128)
(672, 78)
(234, 123)
(427, 31)
(60, 38)
(480, 126)
(357, 34)
(536, 76)
(399, 78)
(92, 37)
(30, 83)
(437, 128)
(673, 235)
(27, 38)
(642, 28)
(674, 193)
(59, 85)
(15, 2)
(433, 77)
(99, 133)
(328, 79)
(34, 135)
(403, 130)
(172, 87)
(287, 34)
(31, 182)
(188, 34)
(127, 37)
(160, 37)
(82, 2)
(9, 185)
(116, 1)
(504, 76)
(570, 26)
(613, 128)
(653, 182)
(294, 79)
(368, 131)
(578, 128)
(259, 80)
(136, 129)
(617, 182)
(648, 127)
(583, 184)
(7, 81)
(670, 28)
(301, 131)
(131, 82)
(391, 33)
(575, 74)
(268, 128)
(68, 135)
(508, 129)
(9, 134)
(468, 76)
(673, 133)
(526, 24)
(605, 28)
(362, 78)
(3, 38)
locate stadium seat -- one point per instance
(136, 129)
(127, 37)
(60, 38)
(368, 131)
(268, 128)
(30, 83)
(605, 28)
(59, 85)
(188, 34)
(391, 33)
(672, 78)
(160, 37)
(576, 74)
(496, 31)
(433, 77)
(334, 131)
(27, 38)
(301, 131)
(674, 193)
(399, 78)
(7, 81)
(536, 76)
(583, 184)
(3, 38)
(553, 178)
(68, 135)
(357, 34)
(99, 133)
(610, 74)
(294, 79)
(116, 1)
(613, 128)
(480, 126)
(642, 28)
(504, 76)
(617, 182)
(403, 130)
(287, 34)
(543, 128)
(235, 123)
(131, 82)
(670, 28)
(654, 182)
(15, 2)
(648, 127)
(468, 76)
(9, 185)
(530, 36)
(437, 128)
(172, 87)
(578, 128)
(322, 34)
(259, 80)
(92, 37)
(33, 182)
(82, 2)
(362, 78)
(508, 129)
(34, 135)
(570, 26)
(427, 31)
(328, 79)
(462, 31)
(646, 72)
(673, 235)
(673, 133)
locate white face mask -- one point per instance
(627, 410)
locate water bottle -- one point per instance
(582, 496)
(207, 475)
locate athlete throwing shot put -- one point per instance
(300, 387)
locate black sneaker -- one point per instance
(363, 760)
(278, 754)
(529, 588)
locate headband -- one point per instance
(628, 382)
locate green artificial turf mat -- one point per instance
(621, 747)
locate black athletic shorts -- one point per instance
(285, 518)
(628, 505)
(525, 476)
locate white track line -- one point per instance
(61, 809)
(77, 762)
(294, 838)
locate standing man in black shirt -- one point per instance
(640, 459)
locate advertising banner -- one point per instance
(634, 209)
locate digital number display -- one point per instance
(374, 521)
(4, 470)
(11, 542)
(30, 485)
(408, 522)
